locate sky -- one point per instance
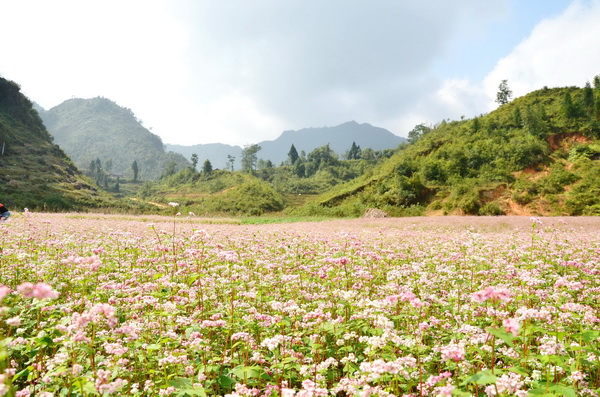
(240, 72)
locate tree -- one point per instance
(249, 157)
(293, 154)
(588, 97)
(568, 107)
(504, 94)
(354, 152)
(417, 132)
(230, 162)
(300, 169)
(108, 164)
(98, 166)
(170, 169)
(194, 160)
(135, 169)
(368, 154)
(207, 168)
(517, 117)
(93, 168)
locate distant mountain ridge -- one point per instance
(98, 128)
(339, 138)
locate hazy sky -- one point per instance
(242, 71)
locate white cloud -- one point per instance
(239, 72)
(562, 51)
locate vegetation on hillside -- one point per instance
(261, 187)
(537, 154)
(36, 173)
(98, 129)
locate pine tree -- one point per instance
(293, 154)
(135, 169)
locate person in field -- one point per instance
(4, 213)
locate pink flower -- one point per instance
(38, 291)
(4, 290)
(453, 351)
(511, 325)
(491, 293)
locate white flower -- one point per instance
(172, 204)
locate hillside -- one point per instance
(36, 173)
(538, 155)
(97, 128)
(339, 138)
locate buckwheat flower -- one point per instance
(23, 392)
(443, 391)
(535, 220)
(491, 293)
(4, 290)
(285, 392)
(506, 384)
(26, 289)
(173, 204)
(453, 351)
(38, 291)
(14, 321)
(511, 325)
(76, 370)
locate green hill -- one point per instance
(97, 128)
(539, 154)
(36, 173)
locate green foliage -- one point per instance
(87, 129)
(459, 160)
(556, 180)
(354, 153)
(293, 154)
(207, 168)
(237, 200)
(418, 132)
(36, 173)
(249, 157)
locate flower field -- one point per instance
(157, 306)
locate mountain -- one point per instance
(536, 155)
(216, 153)
(339, 138)
(36, 173)
(97, 128)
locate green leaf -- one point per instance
(589, 336)
(181, 383)
(564, 390)
(502, 334)
(196, 391)
(519, 370)
(225, 381)
(457, 392)
(246, 372)
(481, 378)
(540, 393)
(154, 346)
(24, 373)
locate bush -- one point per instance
(491, 209)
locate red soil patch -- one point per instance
(566, 140)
